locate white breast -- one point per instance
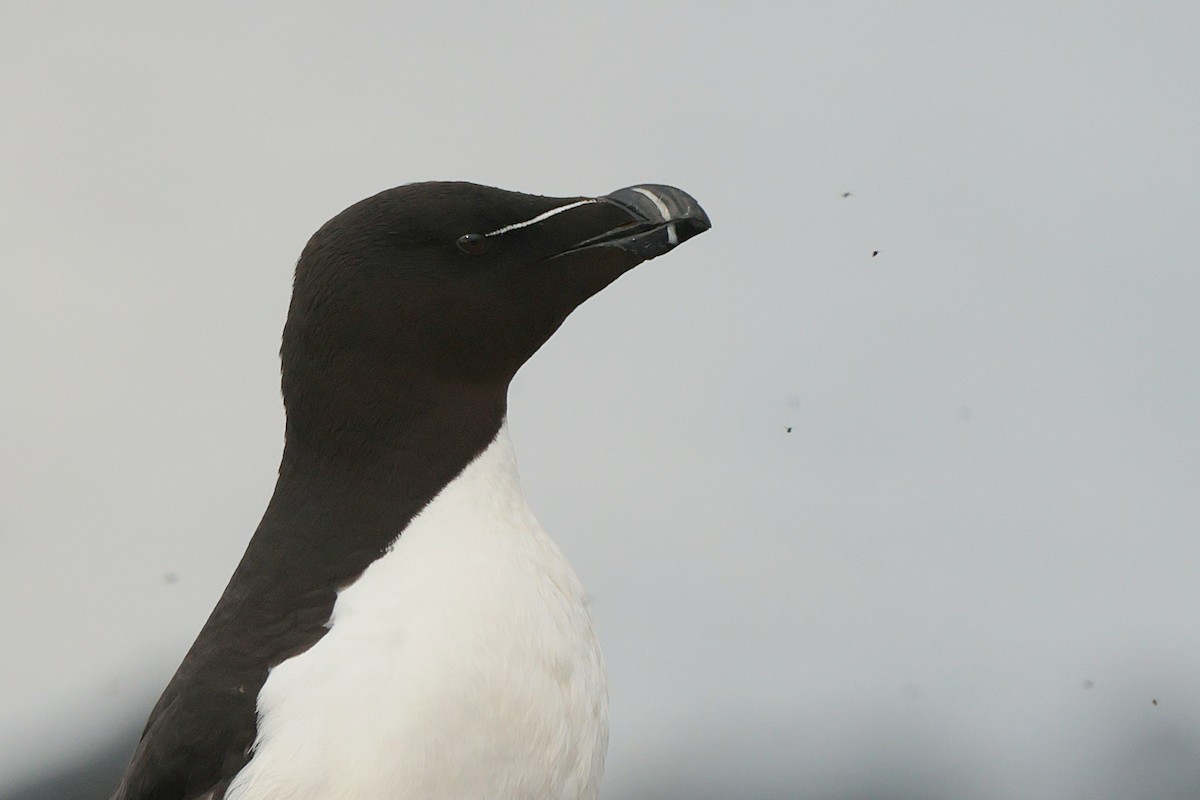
(462, 665)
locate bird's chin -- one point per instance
(587, 271)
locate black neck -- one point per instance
(347, 488)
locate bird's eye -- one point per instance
(473, 243)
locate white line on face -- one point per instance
(542, 216)
(658, 203)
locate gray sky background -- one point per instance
(966, 572)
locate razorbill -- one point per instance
(400, 627)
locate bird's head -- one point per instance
(455, 285)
